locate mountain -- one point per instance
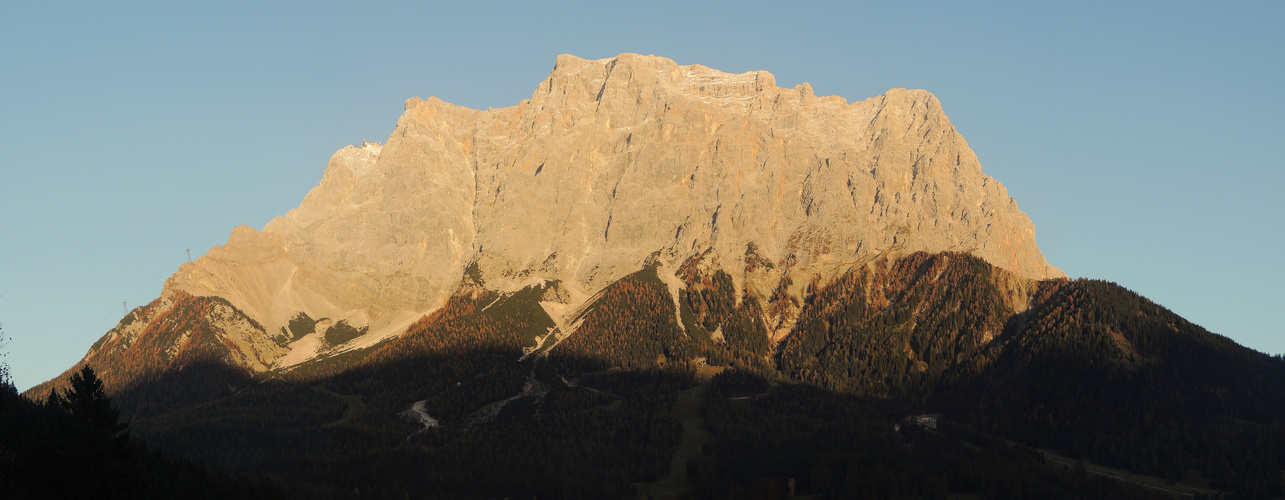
(652, 278)
(610, 165)
(480, 399)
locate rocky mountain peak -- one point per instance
(611, 165)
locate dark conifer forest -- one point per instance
(74, 445)
(929, 376)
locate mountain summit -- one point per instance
(610, 166)
(552, 299)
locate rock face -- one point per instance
(609, 166)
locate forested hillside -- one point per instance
(1089, 368)
(73, 444)
(488, 397)
(631, 326)
(507, 425)
(169, 354)
(899, 328)
(768, 440)
(1105, 374)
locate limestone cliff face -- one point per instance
(610, 165)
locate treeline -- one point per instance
(1105, 374)
(593, 438)
(708, 304)
(632, 326)
(73, 445)
(710, 297)
(898, 329)
(1090, 368)
(176, 361)
(462, 355)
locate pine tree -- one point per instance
(87, 402)
(91, 442)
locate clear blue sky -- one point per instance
(1143, 139)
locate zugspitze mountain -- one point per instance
(611, 165)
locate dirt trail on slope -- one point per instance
(355, 405)
(688, 411)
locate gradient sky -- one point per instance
(1143, 139)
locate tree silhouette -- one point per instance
(74, 446)
(90, 441)
(87, 402)
(4, 366)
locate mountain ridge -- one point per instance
(632, 158)
(1083, 366)
(611, 165)
(550, 276)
